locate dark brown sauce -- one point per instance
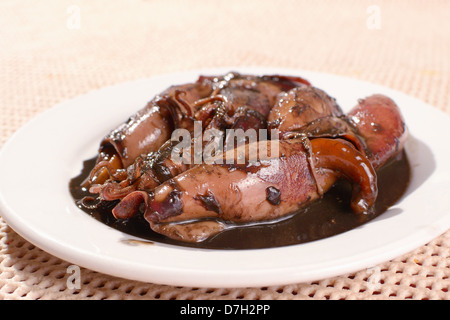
(323, 218)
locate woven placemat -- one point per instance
(54, 50)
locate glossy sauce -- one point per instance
(323, 218)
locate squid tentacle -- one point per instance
(341, 157)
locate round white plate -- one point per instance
(37, 163)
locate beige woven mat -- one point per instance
(53, 50)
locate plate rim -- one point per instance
(16, 222)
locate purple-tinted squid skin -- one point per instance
(379, 121)
(242, 98)
(233, 189)
(268, 190)
(226, 192)
(232, 101)
(150, 127)
(146, 130)
(319, 145)
(374, 152)
(301, 106)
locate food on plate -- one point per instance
(236, 161)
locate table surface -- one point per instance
(54, 50)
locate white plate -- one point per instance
(37, 163)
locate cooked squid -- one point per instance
(318, 145)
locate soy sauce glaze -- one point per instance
(323, 218)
